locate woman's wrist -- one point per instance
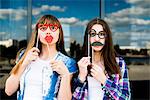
(67, 75)
(21, 69)
(25, 63)
(104, 80)
(81, 78)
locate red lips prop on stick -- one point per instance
(49, 39)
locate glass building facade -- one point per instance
(128, 19)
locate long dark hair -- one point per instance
(32, 43)
(108, 52)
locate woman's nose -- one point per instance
(96, 38)
(48, 33)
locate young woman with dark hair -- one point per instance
(107, 78)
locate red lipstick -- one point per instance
(49, 39)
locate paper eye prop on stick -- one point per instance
(37, 40)
(48, 38)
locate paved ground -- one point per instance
(139, 81)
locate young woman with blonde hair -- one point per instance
(44, 71)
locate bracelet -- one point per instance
(80, 80)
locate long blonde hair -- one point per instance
(59, 44)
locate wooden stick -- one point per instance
(37, 41)
(48, 50)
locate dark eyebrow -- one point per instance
(92, 30)
(95, 30)
(102, 31)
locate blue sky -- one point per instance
(14, 13)
(72, 8)
(124, 16)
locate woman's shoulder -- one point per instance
(69, 62)
(20, 54)
(121, 62)
(119, 59)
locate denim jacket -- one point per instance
(49, 91)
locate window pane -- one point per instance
(129, 21)
(13, 19)
(13, 35)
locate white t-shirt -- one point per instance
(33, 79)
(95, 91)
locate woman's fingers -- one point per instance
(35, 53)
(85, 59)
(34, 49)
(96, 67)
(32, 55)
(93, 70)
(54, 63)
(84, 62)
(59, 67)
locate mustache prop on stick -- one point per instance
(90, 54)
(97, 44)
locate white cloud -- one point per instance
(125, 21)
(6, 11)
(133, 11)
(37, 11)
(33, 26)
(54, 8)
(134, 15)
(3, 33)
(71, 20)
(134, 20)
(83, 23)
(18, 17)
(134, 1)
(45, 7)
(118, 22)
(16, 14)
(140, 3)
(19, 14)
(140, 21)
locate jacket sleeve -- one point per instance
(79, 89)
(20, 54)
(118, 89)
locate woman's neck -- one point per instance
(97, 57)
(48, 51)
